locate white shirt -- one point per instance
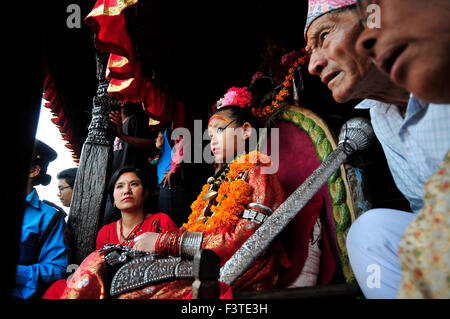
(414, 145)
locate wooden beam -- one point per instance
(90, 189)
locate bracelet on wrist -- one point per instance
(190, 243)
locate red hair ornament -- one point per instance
(235, 96)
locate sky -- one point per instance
(49, 133)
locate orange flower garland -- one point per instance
(284, 92)
(233, 196)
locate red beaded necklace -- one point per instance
(131, 235)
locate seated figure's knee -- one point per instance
(377, 229)
(366, 226)
(372, 245)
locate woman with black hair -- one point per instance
(132, 145)
(128, 192)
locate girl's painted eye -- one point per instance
(221, 129)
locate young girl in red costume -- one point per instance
(229, 209)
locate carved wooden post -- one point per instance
(206, 268)
(89, 193)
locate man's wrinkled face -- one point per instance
(412, 46)
(331, 43)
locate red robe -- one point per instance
(157, 223)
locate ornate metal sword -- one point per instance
(355, 135)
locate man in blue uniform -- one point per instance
(43, 255)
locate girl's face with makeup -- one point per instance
(227, 137)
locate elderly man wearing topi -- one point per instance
(417, 56)
(414, 135)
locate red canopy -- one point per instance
(54, 103)
(127, 82)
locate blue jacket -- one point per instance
(39, 267)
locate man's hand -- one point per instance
(146, 242)
(116, 118)
(166, 179)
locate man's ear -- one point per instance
(34, 171)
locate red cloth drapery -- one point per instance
(127, 82)
(53, 101)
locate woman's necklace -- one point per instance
(131, 235)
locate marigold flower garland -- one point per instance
(284, 92)
(233, 196)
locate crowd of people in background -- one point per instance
(396, 66)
